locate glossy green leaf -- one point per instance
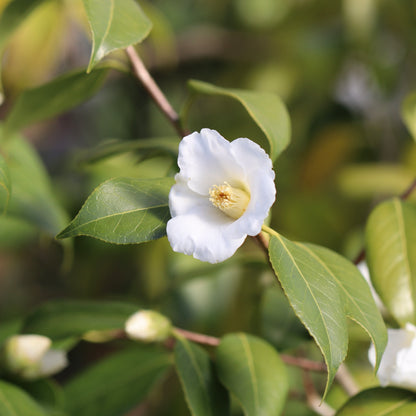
(324, 289)
(380, 402)
(53, 98)
(116, 384)
(204, 393)
(266, 109)
(34, 204)
(115, 24)
(409, 113)
(253, 372)
(14, 14)
(16, 402)
(65, 319)
(5, 185)
(124, 211)
(391, 257)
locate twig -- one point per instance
(153, 89)
(346, 380)
(313, 400)
(408, 191)
(199, 338)
(303, 363)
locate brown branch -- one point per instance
(199, 338)
(408, 191)
(303, 363)
(153, 89)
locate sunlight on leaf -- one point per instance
(253, 372)
(124, 211)
(115, 24)
(324, 289)
(391, 257)
(266, 109)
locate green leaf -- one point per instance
(253, 372)
(53, 98)
(16, 402)
(204, 394)
(116, 384)
(124, 211)
(32, 199)
(64, 319)
(324, 289)
(266, 109)
(380, 402)
(115, 24)
(5, 185)
(14, 14)
(391, 257)
(409, 113)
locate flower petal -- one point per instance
(205, 159)
(182, 199)
(204, 233)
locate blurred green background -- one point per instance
(343, 69)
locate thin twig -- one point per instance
(408, 191)
(199, 338)
(346, 380)
(153, 89)
(313, 400)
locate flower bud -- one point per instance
(30, 357)
(148, 326)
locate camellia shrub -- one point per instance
(166, 273)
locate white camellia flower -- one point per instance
(363, 268)
(223, 193)
(398, 364)
(31, 357)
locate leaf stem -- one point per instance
(141, 72)
(270, 231)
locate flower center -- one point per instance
(232, 201)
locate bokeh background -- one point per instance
(343, 69)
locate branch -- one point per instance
(346, 380)
(153, 89)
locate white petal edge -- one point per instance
(204, 234)
(205, 159)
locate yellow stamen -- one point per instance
(232, 201)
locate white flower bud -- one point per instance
(30, 357)
(148, 326)
(398, 364)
